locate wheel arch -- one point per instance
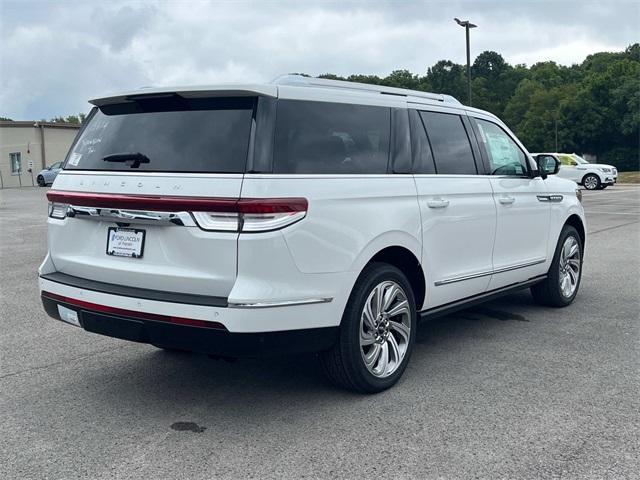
(576, 222)
(403, 259)
(597, 174)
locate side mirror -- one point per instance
(547, 165)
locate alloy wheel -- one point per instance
(385, 329)
(591, 182)
(570, 264)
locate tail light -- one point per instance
(58, 210)
(253, 215)
(211, 214)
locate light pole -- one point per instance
(467, 25)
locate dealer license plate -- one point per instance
(125, 242)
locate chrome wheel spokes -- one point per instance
(570, 264)
(590, 182)
(385, 329)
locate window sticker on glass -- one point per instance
(500, 150)
(74, 159)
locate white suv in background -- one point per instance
(303, 215)
(592, 176)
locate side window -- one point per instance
(16, 163)
(449, 143)
(505, 157)
(421, 151)
(56, 165)
(320, 137)
(567, 161)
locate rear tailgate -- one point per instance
(149, 167)
(177, 256)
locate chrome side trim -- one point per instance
(550, 198)
(183, 219)
(489, 272)
(462, 278)
(283, 303)
(520, 265)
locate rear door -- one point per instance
(522, 203)
(151, 185)
(456, 204)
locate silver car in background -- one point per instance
(49, 174)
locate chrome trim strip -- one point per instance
(488, 272)
(446, 281)
(520, 265)
(550, 198)
(182, 219)
(283, 303)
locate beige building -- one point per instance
(34, 145)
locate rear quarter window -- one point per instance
(326, 138)
(181, 135)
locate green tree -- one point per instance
(402, 79)
(448, 77)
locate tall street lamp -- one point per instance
(467, 25)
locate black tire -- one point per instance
(343, 364)
(40, 181)
(549, 292)
(591, 182)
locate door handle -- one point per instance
(438, 203)
(507, 200)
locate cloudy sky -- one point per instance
(54, 55)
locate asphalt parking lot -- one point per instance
(504, 390)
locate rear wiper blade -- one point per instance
(135, 157)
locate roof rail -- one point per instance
(303, 81)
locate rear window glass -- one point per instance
(422, 158)
(450, 144)
(167, 135)
(319, 137)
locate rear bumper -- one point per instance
(200, 336)
(259, 317)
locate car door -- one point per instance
(50, 174)
(458, 213)
(522, 204)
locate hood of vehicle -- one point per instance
(601, 165)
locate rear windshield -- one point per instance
(171, 134)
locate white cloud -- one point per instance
(54, 56)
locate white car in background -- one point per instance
(593, 176)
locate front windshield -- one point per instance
(578, 158)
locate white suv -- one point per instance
(303, 215)
(592, 176)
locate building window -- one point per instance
(16, 163)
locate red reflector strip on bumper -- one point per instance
(94, 307)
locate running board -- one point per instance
(452, 307)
